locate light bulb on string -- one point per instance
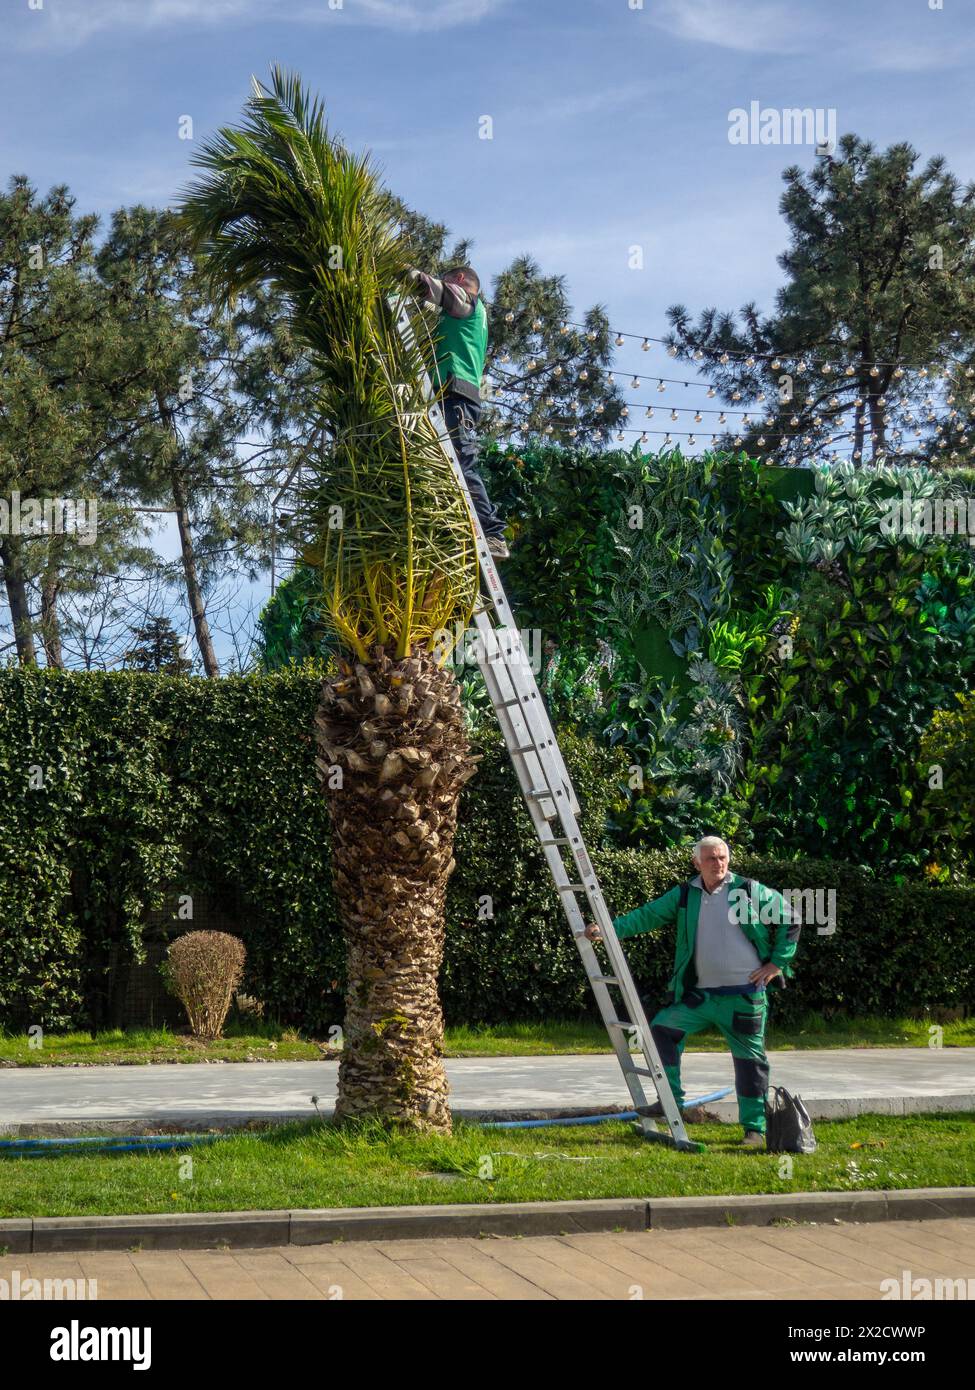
(673, 414)
(661, 386)
(645, 345)
(635, 384)
(711, 392)
(620, 340)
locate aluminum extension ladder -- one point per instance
(553, 806)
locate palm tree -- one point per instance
(285, 203)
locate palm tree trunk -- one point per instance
(392, 737)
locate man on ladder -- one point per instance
(733, 937)
(461, 342)
(550, 797)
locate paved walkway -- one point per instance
(232, 1092)
(807, 1262)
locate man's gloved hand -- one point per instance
(593, 932)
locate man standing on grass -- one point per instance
(461, 341)
(733, 937)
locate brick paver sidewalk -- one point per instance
(806, 1262)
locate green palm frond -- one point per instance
(283, 202)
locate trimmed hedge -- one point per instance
(155, 783)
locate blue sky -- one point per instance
(610, 118)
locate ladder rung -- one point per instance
(524, 748)
(610, 980)
(571, 888)
(642, 1071)
(542, 794)
(563, 840)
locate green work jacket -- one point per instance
(765, 918)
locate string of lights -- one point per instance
(751, 358)
(536, 372)
(900, 444)
(833, 406)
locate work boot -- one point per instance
(754, 1139)
(691, 1115)
(498, 547)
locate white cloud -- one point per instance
(748, 26)
(71, 23)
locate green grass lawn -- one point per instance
(263, 1042)
(313, 1164)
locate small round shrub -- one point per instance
(203, 968)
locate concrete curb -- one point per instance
(723, 1112)
(253, 1229)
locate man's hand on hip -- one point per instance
(764, 973)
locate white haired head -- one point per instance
(708, 842)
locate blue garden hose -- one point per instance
(123, 1143)
(598, 1119)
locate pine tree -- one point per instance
(878, 300)
(157, 648)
